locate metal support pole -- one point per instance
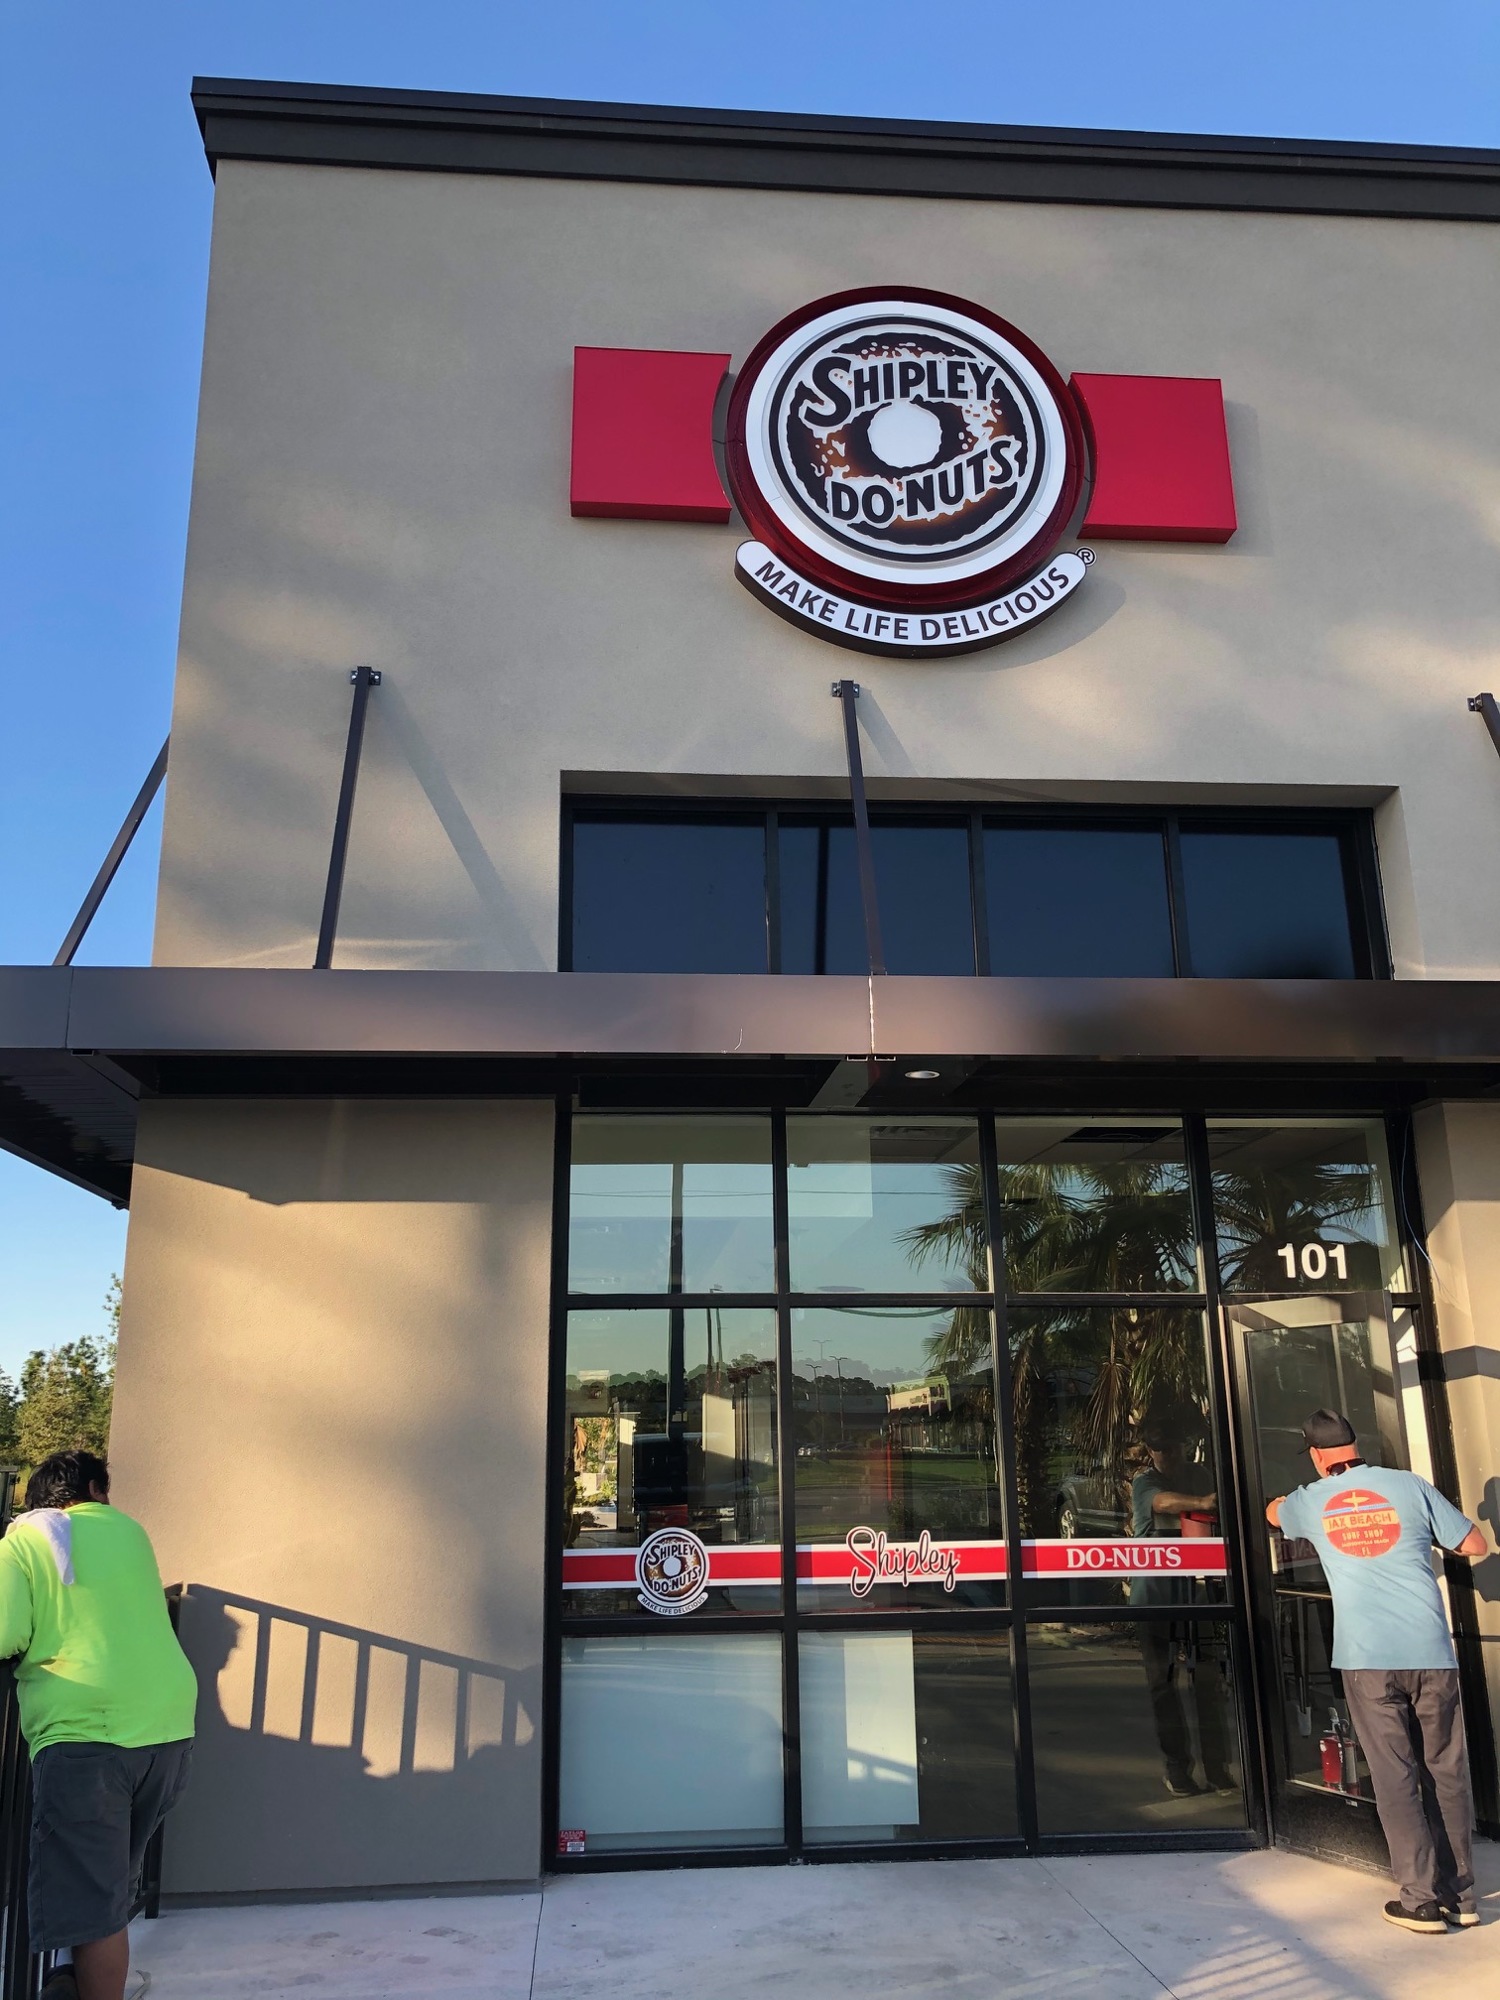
(361, 679)
(1486, 705)
(846, 693)
(129, 827)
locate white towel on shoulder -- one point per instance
(55, 1527)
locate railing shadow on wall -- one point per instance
(328, 1755)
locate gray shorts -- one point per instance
(95, 1807)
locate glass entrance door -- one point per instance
(1295, 1356)
(1305, 1210)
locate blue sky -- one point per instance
(105, 207)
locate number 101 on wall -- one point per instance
(1315, 1260)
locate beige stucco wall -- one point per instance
(382, 476)
(1458, 1161)
(329, 1414)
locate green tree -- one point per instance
(66, 1395)
(10, 1405)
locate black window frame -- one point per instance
(1354, 827)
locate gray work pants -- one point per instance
(1411, 1729)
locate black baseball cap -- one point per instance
(1327, 1429)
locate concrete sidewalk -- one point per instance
(1261, 1926)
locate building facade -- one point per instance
(660, 1314)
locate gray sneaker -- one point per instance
(1464, 1920)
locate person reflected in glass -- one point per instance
(1170, 1496)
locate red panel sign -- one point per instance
(643, 434)
(1161, 459)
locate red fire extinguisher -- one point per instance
(1336, 1751)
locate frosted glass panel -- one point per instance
(672, 1741)
(859, 1735)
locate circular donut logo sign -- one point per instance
(908, 456)
(671, 1572)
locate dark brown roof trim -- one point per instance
(451, 132)
(80, 1044)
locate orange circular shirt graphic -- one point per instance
(1361, 1523)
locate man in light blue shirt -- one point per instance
(1373, 1529)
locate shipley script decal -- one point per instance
(905, 633)
(877, 1559)
(910, 456)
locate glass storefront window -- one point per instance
(672, 1741)
(669, 895)
(886, 1205)
(921, 880)
(706, 1366)
(1073, 901)
(1096, 1205)
(1134, 1727)
(1304, 1206)
(1115, 1463)
(670, 1205)
(895, 1438)
(671, 1423)
(1066, 892)
(906, 1736)
(1266, 904)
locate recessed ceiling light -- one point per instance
(922, 1075)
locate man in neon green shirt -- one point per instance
(107, 1700)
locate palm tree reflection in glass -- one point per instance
(1085, 1378)
(1080, 1375)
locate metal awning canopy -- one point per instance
(81, 1046)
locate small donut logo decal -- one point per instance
(1360, 1523)
(671, 1572)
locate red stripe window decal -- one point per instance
(743, 1562)
(831, 1562)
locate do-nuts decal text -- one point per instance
(907, 464)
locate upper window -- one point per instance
(678, 895)
(1079, 900)
(1266, 904)
(1051, 895)
(921, 885)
